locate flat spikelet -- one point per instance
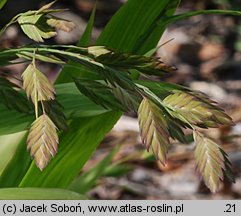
(61, 24)
(211, 161)
(46, 7)
(98, 92)
(42, 141)
(128, 99)
(109, 79)
(153, 129)
(196, 109)
(34, 26)
(146, 65)
(37, 85)
(40, 24)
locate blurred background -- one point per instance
(207, 52)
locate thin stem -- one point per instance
(12, 21)
(35, 89)
(82, 58)
(33, 61)
(43, 107)
(179, 17)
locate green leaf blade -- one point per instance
(74, 150)
(15, 171)
(2, 3)
(74, 105)
(39, 194)
(12, 98)
(134, 20)
(88, 179)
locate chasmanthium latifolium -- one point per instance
(163, 109)
(42, 140)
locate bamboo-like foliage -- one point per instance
(163, 109)
(153, 129)
(42, 140)
(12, 98)
(211, 162)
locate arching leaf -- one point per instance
(39, 194)
(2, 3)
(11, 98)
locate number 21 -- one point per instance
(230, 208)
